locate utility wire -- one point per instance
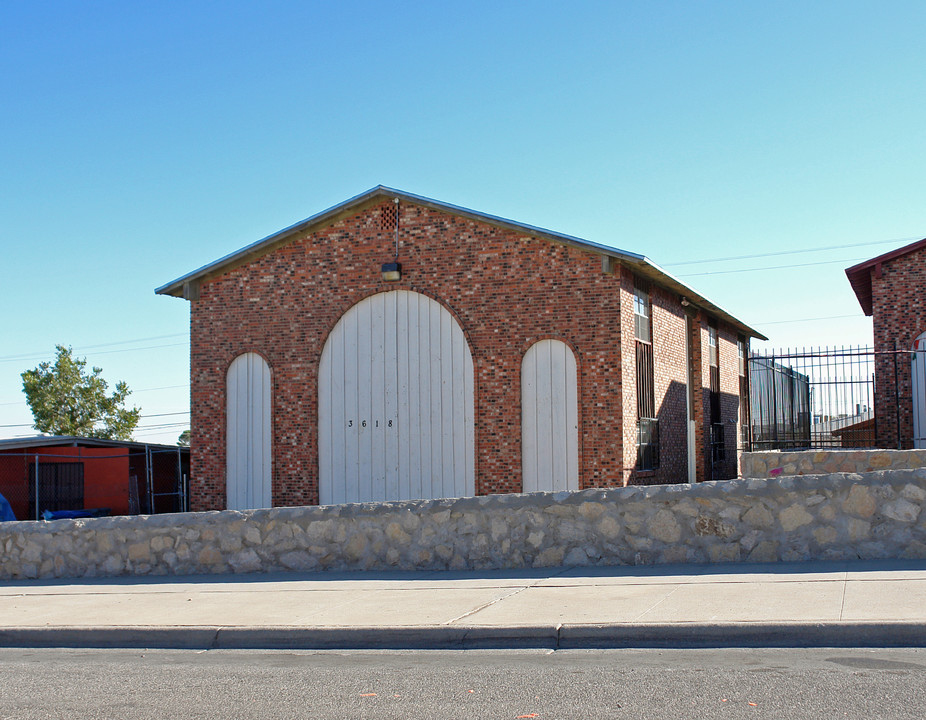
(163, 387)
(82, 348)
(43, 356)
(813, 319)
(773, 267)
(789, 252)
(184, 412)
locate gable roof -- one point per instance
(185, 286)
(860, 275)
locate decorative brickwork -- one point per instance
(507, 289)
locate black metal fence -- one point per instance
(845, 397)
(56, 482)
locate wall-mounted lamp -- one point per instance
(685, 302)
(392, 272)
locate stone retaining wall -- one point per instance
(776, 463)
(827, 517)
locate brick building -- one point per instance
(891, 289)
(396, 347)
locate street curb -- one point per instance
(443, 637)
(744, 634)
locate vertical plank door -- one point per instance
(396, 407)
(248, 438)
(549, 418)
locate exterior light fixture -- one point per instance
(392, 272)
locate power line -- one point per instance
(790, 252)
(101, 352)
(184, 412)
(774, 267)
(813, 319)
(163, 426)
(163, 387)
(100, 345)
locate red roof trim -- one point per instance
(860, 275)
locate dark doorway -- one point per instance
(60, 486)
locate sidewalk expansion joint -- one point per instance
(497, 600)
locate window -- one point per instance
(715, 372)
(647, 424)
(642, 328)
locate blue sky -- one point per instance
(139, 141)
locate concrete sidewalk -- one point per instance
(880, 603)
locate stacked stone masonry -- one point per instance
(773, 463)
(836, 516)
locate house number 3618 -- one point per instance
(376, 423)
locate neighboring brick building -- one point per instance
(891, 288)
(499, 357)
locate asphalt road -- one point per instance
(703, 684)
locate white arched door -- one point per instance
(918, 385)
(396, 404)
(248, 440)
(549, 418)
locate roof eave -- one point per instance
(655, 273)
(860, 280)
(860, 275)
(76, 441)
(177, 287)
(187, 285)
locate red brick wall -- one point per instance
(106, 476)
(670, 384)
(899, 316)
(697, 337)
(729, 400)
(506, 289)
(671, 380)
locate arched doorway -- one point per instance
(549, 418)
(248, 440)
(396, 409)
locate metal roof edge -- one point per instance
(173, 286)
(74, 441)
(176, 287)
(667, 279)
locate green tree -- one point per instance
(184, 439)
(66, 400)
